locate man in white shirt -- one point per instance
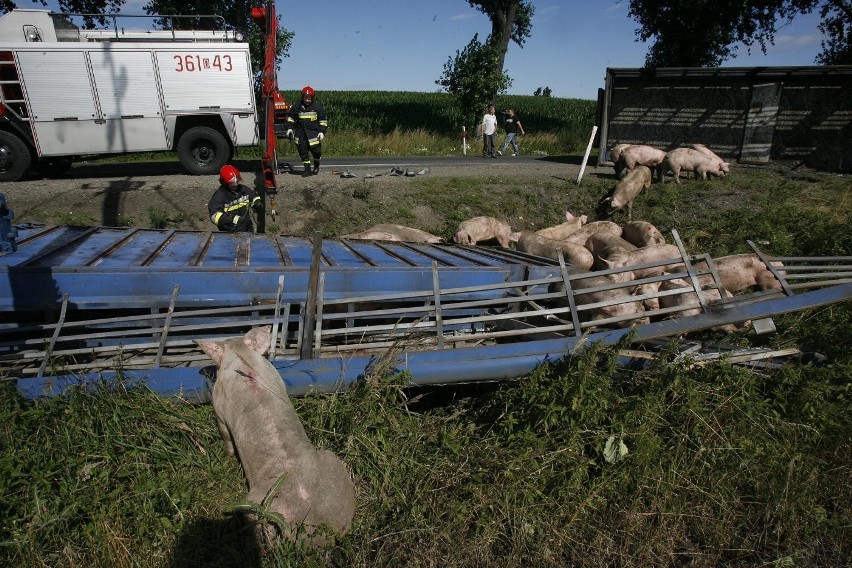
(489, 133)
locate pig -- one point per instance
(407, 234)
(642, 234)
(627, 189)
(645, 255)
(603, 245)
(478, 229)
(574, 254)
(571, 225)
(687, 159)
(705, 150)
(583, 233)
(260, 426)
(624, 304)
(616, 151)
(640, 155)
(689, 300)
(739, 272)
(371, 235)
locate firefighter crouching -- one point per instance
(308, 123)
(234, 206)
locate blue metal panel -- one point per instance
(138, 268)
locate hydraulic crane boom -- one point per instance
(266, 19)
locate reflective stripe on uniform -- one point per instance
(310, 115)
(216, 216)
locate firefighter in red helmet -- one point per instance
(307, 123)
(234, 206)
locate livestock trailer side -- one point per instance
(67, 92)
(745, 114)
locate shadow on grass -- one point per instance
(221, 543)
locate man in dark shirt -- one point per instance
(513, 125)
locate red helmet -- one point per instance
(308, 91)
(229, 174)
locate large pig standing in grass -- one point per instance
(627, 189)
(689, 160)
(640, 155)
(261, 427)
(574, 254)
(571, 225)
(479, 229)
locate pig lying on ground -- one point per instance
(689, 160)
(624, 304)
(371, 235)
(642, 234)
(689, 298)
(739, 272)
(646, 255)
(604, 245)
(571, 225)
(261, 427)
(574, 254)
(399, 232)
(409, 234)
(627, 189)
(479, 229)
(583, 233)
(640, 155)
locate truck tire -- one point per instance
(15, 157)
(203, 150)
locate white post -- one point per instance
(464, 141)
(586, 155)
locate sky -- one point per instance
(402, 45)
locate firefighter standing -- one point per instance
(234, 205)
(308, 123)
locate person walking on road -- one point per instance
(489, 133)
(233, 206)
(513, 126)
(308, 123)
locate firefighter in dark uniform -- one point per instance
(308, 123)
(234, 205)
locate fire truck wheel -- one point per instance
(15, 157)
(203, 150)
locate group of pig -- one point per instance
(634, 164)
(605, 245)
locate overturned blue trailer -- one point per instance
(81, 305)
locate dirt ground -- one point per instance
(141, 195)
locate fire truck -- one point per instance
(67, 92)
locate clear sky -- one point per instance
(402, 45)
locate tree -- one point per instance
(546, 92)
(471, 78)
(836, 27)
(702, 33)
(511, 20)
